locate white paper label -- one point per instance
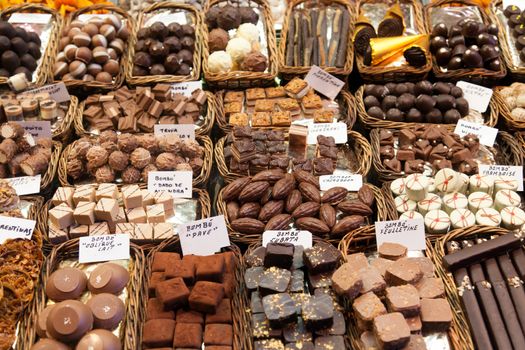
(186, 88)
(38, 129)
(204, 237)
(38, 18)
(103, 248)
(178, 183)
(57, 92)
(503, 170)
(167, 18)
(185, 131)
(12, 228)
(25, 185)
(352, 182)
(323, 82)
(410, 233)
(302, 238)
(336, 130)
(487, 135)
(478, 97)
(518, 3)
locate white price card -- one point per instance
(518, 3)
(12, 228)
(38, 129)
(186, 88)
(103, 248)
(204, 237)
(57, 92)
(324, 82)
(178, 183)
(184, 131)
(167, 18)
(38, 18)
(503, 170)
(487, 135)
(478, 96)
(337, 130)
(352, 182)
(410, 233)
(295, 237)
(25, 185)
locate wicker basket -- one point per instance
(69, 250)
(380, 214)
(437, 252)
(346, 101)
(204, 129)
(490, 116)
(45, 65)
(64, 131)
(475, 75)
(511, 122)
(509, 153)
(290, 71)
(382, 74)
(239, 323)
(243, 79)
(358, 145)
(155, 79)
(118, 80)
(363, 240)
(199, 181)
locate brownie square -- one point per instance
(155, 310)
(206, 296)
(223, 314)
(403, 299)
(188, 335)
(218, 334)
(210, 268)
(155, 278)
(162, 259)
(279, 255)
(189, 316)
(436, 315)
(158, 333)
(172, 292)
(182, 268)
(392, 331)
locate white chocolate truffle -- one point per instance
(416, 186)
(506, 92)
(430, 202)
(220, 62)
(512, 218)
(520, 100)
(238, 48)
(249, 32)
(481, 183)
(404, 204)
(437, 222)
(462, 218)
(505, 183)
(462, 184)
(510, 101)
(453, 201)
(446, 180)
(506, 198)
(488, 217)
(411, 215)
(398, 186)
(518, 114)
(478, 200)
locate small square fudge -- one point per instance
(57, 235)
(63, 195)
(381, 264)
(240, 119)
(436, 315)
(106, 191)
(161, 260)
(106, 209)
(403, 271)
(372, 280)
(164, 198)
(136, 215)
(84, 213)
(403, 299)
(206, 296)
(347, 281)
(391, 331)
(172, 292)
(218, 334)
(431, 288)
(61, 216)
(367, 307)
(187, 335)
(158, 333)
(189, 316)
(155, 213)
(132, 196)
(78, 231)
(143, 233)
(210, 268)
(148, 198)
(223, 313)
(181, 268)
(155, 310)
(321, 258)
(125, 228)
(357, 261)
(85, 193)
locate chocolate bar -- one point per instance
(515, 286)
(518, 257)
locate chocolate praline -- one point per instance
(185, 56)
(458, 50)
(434, 116)
(380, 91)
(456, 91)
(172, 63)
(369, 89)
(4, 73)
(21, 33)
(395, 115)
(462, 106)
(456, 40)
(34, 50)
(10, 60)
(443, 55)
(172, 43)
(140, 46)
(158, 50)
(142, 59)
(371, 101)
(451, 116)
(391, 88)
(158, 30)
(455, 63)
(184, 69)
(455, 30)
(440, 29)
(472, 59)
(188, 43)
(5, 43)
(445, 102)
(211, 16)
(19, 45)
(411, 87)
(492, 29)
(471, 29)
(229, 18)
(425, 103)
(388, 102)
(376, 112)
(28, 61)
(188, 30)
(175, 29)
(423, 88)
(248, 15)
(157, 69)
(405, 102)
(441, 88)
(486, 39)
(143, 33)
(488, 52)
(414, 116)
(7, 29)
(495, 64)
(437, 42)
(401, 89)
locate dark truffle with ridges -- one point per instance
(248, 15)
(10, 60)
(228, 18)
(19, 46)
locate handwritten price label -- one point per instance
(352, 182)
(103, 248)
(336, 130)
(486, 135)
(38, 129)
(478, 97)
(57, 92)
(410, 233)
(504, 170)
(25, 184)
(178, 183)
(12, 228)
(204, 237)
(186, 88)
(324, 82)
(184, 131)
(302, 238)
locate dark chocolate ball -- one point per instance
(175, 29)
(158, 50)
(391, 88)
(19, 46)
(141, 46)
(158, 30)
(486, 39)
(143, 33)
(172, 43)
(405, 102)
(388, 102)
(185, 56)
(139, 71)
(411, 87)
(462, 106)
(443, 55)
(10, 60)
(445, 102)
(472, 59)
(248, 15)
(440, 88)
(455, 63)
(380, 91)
(369, 89)
(458, 50)
(27, 72)
(34, 38)
(455, 30)
(188, 30)
(34, 50)
(184, 69)
(211, 17)
(401, 89)
(4, 73)
(6, 29)
(394, 115)
(423, 88)
(488, 52)
(451, 116)
(28, 61)
(172, 64)
(456, 91)
(371, 101)
(437, 42)
(22, 34)
(456, 40)
(187, 43)
(495, 64)
(5, 43)
(434, 116)
(425, 103)
(228, 18)
(150, 41)
(471, 29)
(414, 116)
(142, 59)
(493, 29)
(474, 48)
(376, 112)
(157, 69)
(440, 29)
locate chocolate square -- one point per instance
(279, 255)
(218, 334)
(206, 296)
(172, 292)
(187, 335)
(158, 333)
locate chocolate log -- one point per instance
(11, 130)
(7, 150)
(515, 286)
(343, 40)
(34, 165)
(297, 40)
(518, 257)
(334, 41)
(314, 14)
(290, 41)
(305, 35)
(321, 37)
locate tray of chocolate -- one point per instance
(191, 301)
(85, 304)
(29, 36)
(246, 152)
(127, 158)
(396, 298)
(428, 148)
(398, 105)
(282, 106)
(274, 200)
(93, 50)
(98, 209)
(390, 41)
(482, 268)
(452, 200)
(511, 22)
(139, 110)
(167, 45)
(464, 42)
(239, 44)
(511, 104)
(317, 34)
(289, 296)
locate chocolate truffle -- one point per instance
(423, 88)
(157, 69)
(376, 112)
(5, 43)
(184, 69)
(158, 49)
(7, 29)
(185, 56)
(10, 60)
(406, 102)
(414, 116)
(228, 18)
(394, 114)
(451, 116)
(440, 29)
(472, 59)
(187, 43)
(211, 17)
(425, 103)
(142, 59)
(443, 55)
(172, 43)
(248, 15)
(434, 116)
(188, 30)
(19, 45)
(99, 339)
(158, 30)
(371, 101)
(28, 61)
(217, 39)
(462, 106)
(255, 61)
(455, 63)
(388, 102)
(437, 42)
(171, 63)
(496, 63)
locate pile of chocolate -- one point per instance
(91, 50)
(395, 298)
(291, 300)
(422, 102)
(514, 97)
(274, 200)
(428, 145)
(190, 301)
(68, 320)
(91, 210)
(129, 110)
(131, 157)
(516, 22)
(162, 49)
(20, 51)
(468, 44)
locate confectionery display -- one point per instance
(516, 27)
(130, 157)
(190, 301)
(290, 291)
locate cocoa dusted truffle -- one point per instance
(191, 149)
(105, 174)
(183, 167)
(218, 39)
(229, 18)
(97, 156)
(166, 161)
(255, 62)
(140, 157)
(130, 175)
(108, 136)
(149, 142)
(170, 143)
(146, 170)
(75, 168)
(127, 143)
(118, 160)
(212, 15)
